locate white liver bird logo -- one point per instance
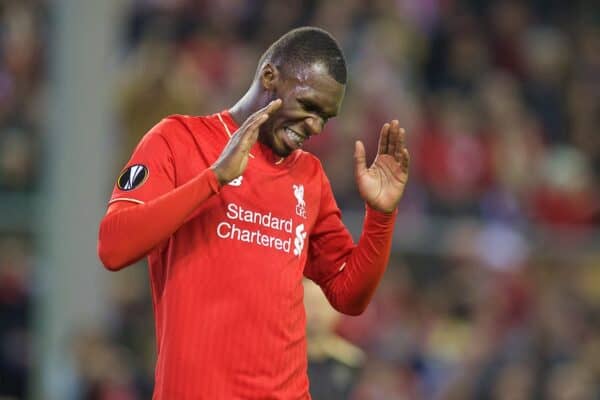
(299, 194)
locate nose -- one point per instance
(315, 125)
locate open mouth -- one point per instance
(294, 137)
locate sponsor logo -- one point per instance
(236, 182)
(132, 177)
(299, 240)
(266, 230)
(301, 206)
(261, 229)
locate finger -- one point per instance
(383, 138)
(252, 138)
(268, 110)
(255, 120)
(405, 162)
(360, 159)
(249, 130)
(251, 133)
(273, 106)
(393, 138)
(400, 148)
(261, 119)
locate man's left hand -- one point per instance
(382, 184)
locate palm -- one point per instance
(382, 184)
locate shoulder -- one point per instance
(311, 165)
(179, 128)
(178, 124)
(309, 162)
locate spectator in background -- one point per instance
(536, 137)
(333, 363)
(21, 83)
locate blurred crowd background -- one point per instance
(493, 289)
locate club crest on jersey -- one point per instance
(301, 206)
(132, 177)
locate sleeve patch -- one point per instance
(132, 177)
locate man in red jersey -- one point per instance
(231, 214)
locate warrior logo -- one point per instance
(132, 177)
(301, 206)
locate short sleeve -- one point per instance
(330, 243)
(150, 172)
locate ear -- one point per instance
(269, 77)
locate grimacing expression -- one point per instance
(310, 97)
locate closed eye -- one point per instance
(313, 108)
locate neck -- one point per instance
(246, 106)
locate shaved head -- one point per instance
(304, 47)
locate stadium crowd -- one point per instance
(493, 290)
(22, 55)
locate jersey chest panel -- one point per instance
(275, 212)
(262, 215)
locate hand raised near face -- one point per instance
(234, 158)
(382, 184)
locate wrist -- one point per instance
(215, 183)
(378, 213)
(221, 180)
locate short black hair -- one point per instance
(306, 46)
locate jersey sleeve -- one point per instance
(348, 273)
(150, 172)
(330, 243)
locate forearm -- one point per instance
(351, 290)
(128, 234)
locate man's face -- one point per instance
(310, 97)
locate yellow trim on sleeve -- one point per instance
(126, 199)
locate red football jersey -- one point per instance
(227, 285)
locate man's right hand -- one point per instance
(234, 158)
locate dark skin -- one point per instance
(282, 109)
